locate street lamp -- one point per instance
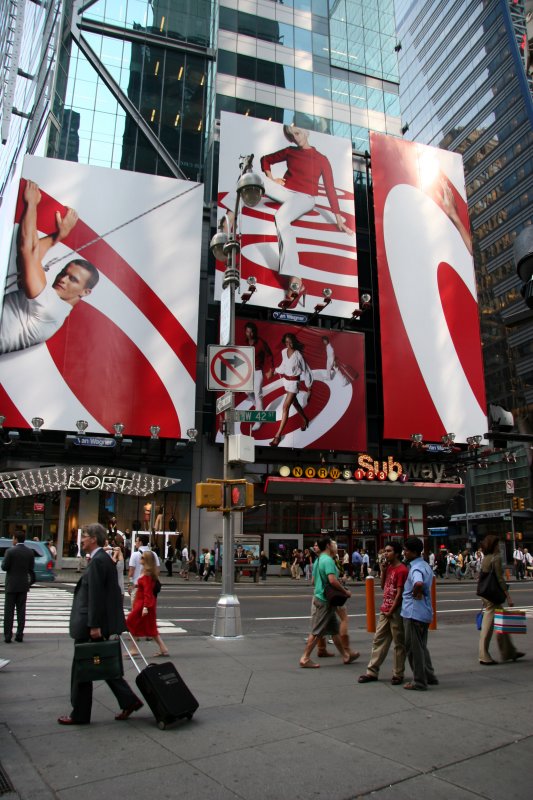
(225, 246)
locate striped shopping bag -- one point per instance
(509, 620)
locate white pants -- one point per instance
(293, 206)
(257, 396)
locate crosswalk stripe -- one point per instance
(48, 611)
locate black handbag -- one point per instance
(333, 595)
(98, 661)
(488, 587)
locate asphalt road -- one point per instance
(285, 609)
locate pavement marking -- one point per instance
(48, 611)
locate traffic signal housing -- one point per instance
(239, 495)
(521, 504)
(515, 503)
(210, 495)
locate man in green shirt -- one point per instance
(324, 619)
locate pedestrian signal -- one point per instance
(209, 495)
(239, 495)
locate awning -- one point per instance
(495, 513)
(380, 491)
(24, 483)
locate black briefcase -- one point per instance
(98, 661)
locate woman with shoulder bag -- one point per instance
(492, 562)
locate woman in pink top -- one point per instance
(296, 192)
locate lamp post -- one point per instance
(225, 246)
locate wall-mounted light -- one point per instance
(2, 420)
(252, 287)
(328, 296)
(448, 439)
(365, 302)
(37, 423)
(118, 427)
(154, 431)
(417, 440)
(192, 433)
(473, 442)
(81, 426)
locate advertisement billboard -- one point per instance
(303, 230)
(100, 311)
(312, 379)
(433, 380)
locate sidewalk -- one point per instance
(267, 729)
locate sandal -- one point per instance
(309, 664)
(161, 654)
(351, 658)
(415, 687)
(366, 678)
(396, 681)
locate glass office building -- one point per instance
(464, 88)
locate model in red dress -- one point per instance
(142, 619)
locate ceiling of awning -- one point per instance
(28, 482)
(379, 491)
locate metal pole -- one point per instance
(227, 622)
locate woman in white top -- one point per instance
(292, 369)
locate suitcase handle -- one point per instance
(126, 648)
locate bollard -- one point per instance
(507, 574)
(433, 623)
(370, 605)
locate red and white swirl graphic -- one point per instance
(431, 350)
(127, 352)
(333, 397)
(326, 256)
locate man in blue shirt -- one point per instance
(357, 561)
(417, 613)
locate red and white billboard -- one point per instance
(314, 381)
(303, 230)
(100, 312)
(433, 380)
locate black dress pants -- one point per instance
(14, 600)
(81, 694)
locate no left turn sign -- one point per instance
(230, 368)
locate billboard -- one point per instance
(312, 378)
(100, 312)
(303, 230)
(433, 380)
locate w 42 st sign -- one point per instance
(230, 368)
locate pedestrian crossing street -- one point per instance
(48, 611)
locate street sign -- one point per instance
(251, 416)
(224, 402)
(509, 487)
(94, 441)
(230, 368)
(289, 316)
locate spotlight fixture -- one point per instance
(118, 427)
(2, 420)
(417, 440)
(220, 240)
(365, 302)
(448, 439)
(37, 424)
(154, 431)
(328, 296)
(252, 287)
(192, 433)
(250, 187)
(81, 426)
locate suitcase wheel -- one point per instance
(189, 715)
(162, 726)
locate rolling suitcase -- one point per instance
(165, 691)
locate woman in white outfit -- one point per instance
(292, 369)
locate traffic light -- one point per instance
(521, 504)
(239, 495)
(515, 503)
(518, 536)
(209, 495)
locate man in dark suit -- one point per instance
(97, 613)
(18, 565)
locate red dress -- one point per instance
(136, 623)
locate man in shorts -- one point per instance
(324, 619)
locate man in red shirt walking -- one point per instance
(390, 626)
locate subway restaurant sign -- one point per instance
(368, 469)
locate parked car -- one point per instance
(44, 563)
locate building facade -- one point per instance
(141, 86)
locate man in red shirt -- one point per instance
(390, 626)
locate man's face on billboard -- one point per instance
(71, 283)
